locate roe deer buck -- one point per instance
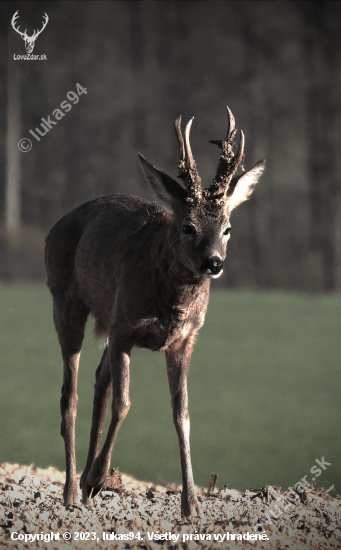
(144, 273)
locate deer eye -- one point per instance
(227, 230)
(188, 229)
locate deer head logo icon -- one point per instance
(29, 40)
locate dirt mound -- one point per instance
(133, 514)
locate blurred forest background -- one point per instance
(276, 64)
(272, 386)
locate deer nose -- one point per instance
(214, 265)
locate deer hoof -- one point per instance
(93, 491)
(97, 476)
(86, 491)
(93, 484)
(190, 507)
(70, 494)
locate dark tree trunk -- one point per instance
(13, 159)
(323, 49)
(259, 207)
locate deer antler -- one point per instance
(228, 161)
(187, 168)
(24, 34)
(45, 21)
(13, 23)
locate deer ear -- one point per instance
(165, 187)
(241, 187)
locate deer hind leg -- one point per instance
(177, 369)
(119, 358)
(70, 323)
(103, 389)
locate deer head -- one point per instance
(202, 216)
(29, 40)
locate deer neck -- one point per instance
(180, 286)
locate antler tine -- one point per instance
(189, 156)
(13, 23)
(228, 162)
(230, 131)
(187, 168)
(45, 21)
(180, 139)
(232, 123)
(240, 154)
(194, 178)
(14, 18)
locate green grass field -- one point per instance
(264, 392)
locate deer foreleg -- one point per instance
(119, 356)
(103, 388)
(177, 369)
(68, 408)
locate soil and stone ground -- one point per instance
(134, 513)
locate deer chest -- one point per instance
(158, 333)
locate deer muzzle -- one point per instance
(212, 267)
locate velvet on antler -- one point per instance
(228, 162)
(187, 168)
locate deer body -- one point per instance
(104, 270)
(144, 273)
